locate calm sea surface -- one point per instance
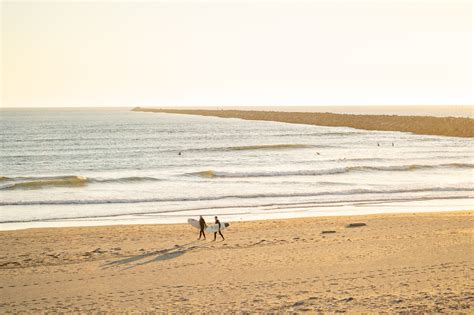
(83, 167)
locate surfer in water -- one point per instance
(220, 233)
(202, 226)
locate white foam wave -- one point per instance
(339, 170)
(249, 196)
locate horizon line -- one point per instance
(218, 106)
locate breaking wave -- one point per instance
(62, 181)
(348, 192)
(339, 170)
(68, 181)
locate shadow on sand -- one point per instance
(163, 254)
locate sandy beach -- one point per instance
(423, 125)
(394, 263)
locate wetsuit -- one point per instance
(202, 225)
(215, 233)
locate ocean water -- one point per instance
(94, 167)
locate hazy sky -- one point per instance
(109, 53)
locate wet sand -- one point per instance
(394, 263)
(423, 125)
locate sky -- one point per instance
(236, 53)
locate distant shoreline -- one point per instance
(422, 125)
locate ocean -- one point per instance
(83, 167)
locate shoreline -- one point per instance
(413, 262)
(250, 221)
(422, 125)
(296, 211)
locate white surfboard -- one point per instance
(215, 227)
(194, 223)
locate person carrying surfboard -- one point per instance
(202, 226)
(220, 233)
